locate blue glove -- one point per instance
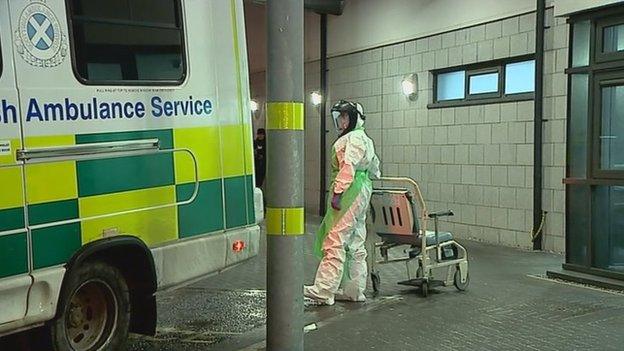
(335, 203)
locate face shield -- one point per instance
(336, 117)
(348, 109)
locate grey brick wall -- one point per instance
(554, 146)
(475, 160)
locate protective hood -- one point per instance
(354, 110)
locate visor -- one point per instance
(340, 107)
(336, 118)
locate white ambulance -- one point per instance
(126, 161)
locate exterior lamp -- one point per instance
(409, 86)
(253, 104)
(316, 98)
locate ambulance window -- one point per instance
(128, 42)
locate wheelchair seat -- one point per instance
(395, 218)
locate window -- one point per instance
(577, 125)
(595, 140)
(609, 39)
(609, 117)
(612, 128)
(128, 42)
(499, 81)
(608, 213)
(483, 83)
(613, 38)
(451, 85)
(520, 77)
(580, 46)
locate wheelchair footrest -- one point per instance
(412, 282)
(418, 282)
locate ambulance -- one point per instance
(126, 161)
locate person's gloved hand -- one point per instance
(335, 203)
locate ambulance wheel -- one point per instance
(424, 289)
(458, 283)
(93, 311)
(376, 280)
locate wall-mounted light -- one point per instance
(409, 86)
(316, 98)
(253, 105)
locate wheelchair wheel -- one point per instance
(458, 283)
(376, 280)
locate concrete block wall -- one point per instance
(475, 160)
(554, 146)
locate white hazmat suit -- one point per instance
(342, 273)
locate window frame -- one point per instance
(601, 24)
(485, 98)
(597, 70)
(600, 80)
(86, 19)
(523, 92)
(435, 85)
(480, 72)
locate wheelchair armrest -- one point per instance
(441, 214)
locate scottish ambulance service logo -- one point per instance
(39, 38)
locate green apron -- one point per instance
(332, 216)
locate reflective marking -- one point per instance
(285, 115)
(285, 221)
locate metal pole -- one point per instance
(285, 166)
(323, 154)
(538, 112)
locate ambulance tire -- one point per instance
(93, 311)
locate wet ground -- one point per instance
(198, 318)
(509, 306)
(226, 311)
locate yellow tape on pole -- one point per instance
(285, 221)
(284, 115)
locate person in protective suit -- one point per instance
(340, 241)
